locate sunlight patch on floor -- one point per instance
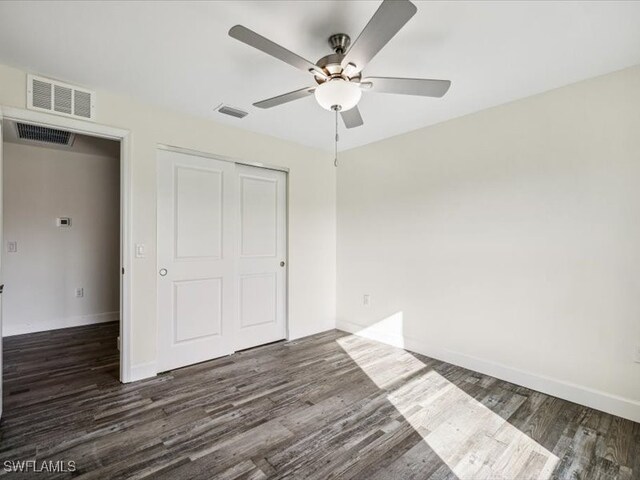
(471, 439)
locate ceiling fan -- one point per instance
(338, 77)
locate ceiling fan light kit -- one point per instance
(338, 76)
(339, 93)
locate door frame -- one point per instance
(198, 153)
(123, 136)
(251, 163)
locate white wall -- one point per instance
(41, 184)
(509, 240)
(312, 220)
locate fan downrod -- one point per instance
(340, 42)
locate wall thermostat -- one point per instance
(63, 222)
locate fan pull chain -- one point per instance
(335, 158)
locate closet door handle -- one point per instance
(163, 272)
(282, 264)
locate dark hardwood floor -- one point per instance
(327, 406)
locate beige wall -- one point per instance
(311, 204)
(41, 184)
(509, 239)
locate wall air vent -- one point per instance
(37, 133)
(234, 112)
(46, 95)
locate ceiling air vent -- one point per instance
(37, 133)
(46, 95)
(234, 112)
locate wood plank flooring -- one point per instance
(328, 406)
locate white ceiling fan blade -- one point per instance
(265, 45)
(408, 86)
(352, 117)
(285, 98)
(390, 17)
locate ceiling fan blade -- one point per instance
(255, 40)
(352, 118)
(390, 17)
(408, 86)
(285, 98)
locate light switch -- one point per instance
(140, 250)
(12, 247)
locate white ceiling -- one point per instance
(178, 54)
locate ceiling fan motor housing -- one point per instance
(331, 65)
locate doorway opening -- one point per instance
(61, 256)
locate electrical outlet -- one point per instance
(12, 247)
(366, 300)
(79, 292)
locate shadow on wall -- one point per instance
(467, 430)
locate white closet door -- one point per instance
(196, 258)
(262, 249)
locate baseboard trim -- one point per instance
(606, 402)
(142, 371)
(55, 324)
